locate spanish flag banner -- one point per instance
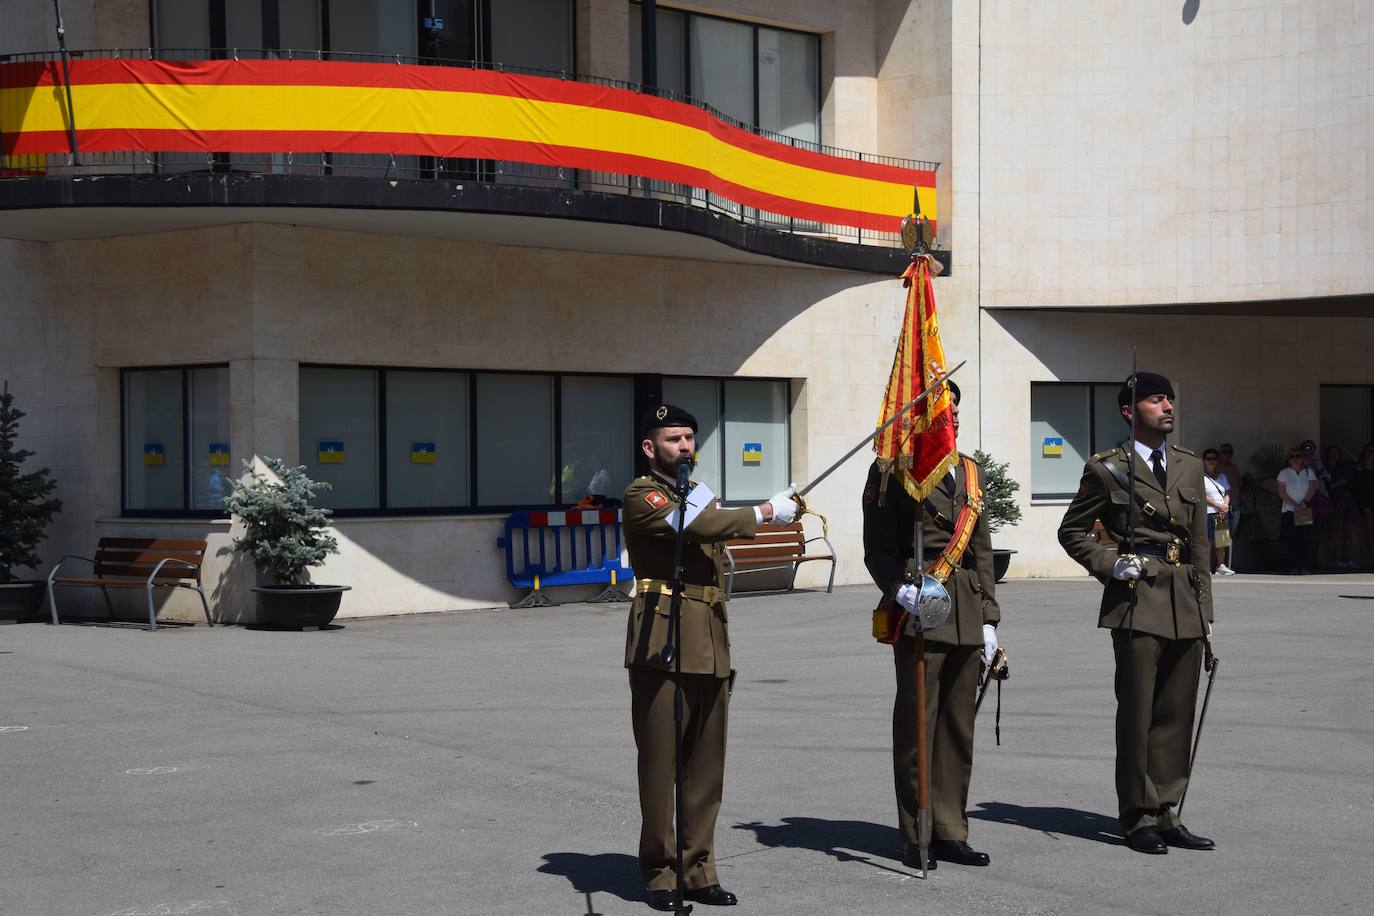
(920, 446)
(312, 107)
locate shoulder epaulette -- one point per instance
(1103, 456)
(1186, 451)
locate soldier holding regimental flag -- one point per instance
(920, 477)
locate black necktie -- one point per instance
(1157, 465)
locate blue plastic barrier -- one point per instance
(573, 547)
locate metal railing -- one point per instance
(431, 168)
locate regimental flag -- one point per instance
(919, 447)
(422, 453)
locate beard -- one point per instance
(666, 460)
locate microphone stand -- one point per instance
(672, 655)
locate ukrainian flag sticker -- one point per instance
(219, 453)
(331, 452)
(422, 453)
(753, 453)
(154, 454)
(1052, 447)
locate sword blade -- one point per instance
(877, 432)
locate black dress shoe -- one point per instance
(1146, 840)
(959, 852)
(1184, 838)
(911, 857)
(662, 900)
(712, 895)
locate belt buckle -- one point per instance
(1171, 553)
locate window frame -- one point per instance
(754, 52)
(646, 388)
(720, 381)
(472, 374)
(187, 456)
(1089, 392)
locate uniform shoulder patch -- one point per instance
(655, 499)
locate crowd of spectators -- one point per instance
(1325, 502)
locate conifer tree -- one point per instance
(27, 505)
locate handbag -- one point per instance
(1302, 515)
(1221, 533)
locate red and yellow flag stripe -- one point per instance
(278, 106)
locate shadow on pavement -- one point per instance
(605, 873)
(1085, 825)
(847, 841)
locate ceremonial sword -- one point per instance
(1211, 663)
(933, 386)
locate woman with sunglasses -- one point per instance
(1297, 489)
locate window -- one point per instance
(767, 77)
(493, 31)
(743, 450)
(1069, 424)
(175, 429)
(411, 441)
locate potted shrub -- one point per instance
(284, 533)
(27, 508)
(999, 504)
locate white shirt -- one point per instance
(1297, 484)
(1144, 451)
(1216, 490)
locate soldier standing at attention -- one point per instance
(1158, 644)
(667, 437)
(951, 649)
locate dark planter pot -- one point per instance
(1001, 559)
(21, 602)
(298, 607)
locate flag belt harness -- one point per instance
(710, 594)
(953, 554)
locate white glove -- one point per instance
(989, 642)
(784, 506)
(1128, 568)
(907, 596)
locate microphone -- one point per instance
(684, 474)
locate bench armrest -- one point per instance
(164, 561)
(71, 556)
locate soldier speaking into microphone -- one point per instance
(1157, 603)
(956, 530)
(651, 516)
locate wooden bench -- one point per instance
(775, 547)
(145, 563)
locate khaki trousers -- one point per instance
(1156, 692)
(951, 690)
(705, 714)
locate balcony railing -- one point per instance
(169, 111)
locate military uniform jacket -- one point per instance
(649, 538)
(890, 541)
(1171, 601)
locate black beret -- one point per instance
(666, 415)
(953, 389)
(1146, 384)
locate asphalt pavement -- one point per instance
(482, 763)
